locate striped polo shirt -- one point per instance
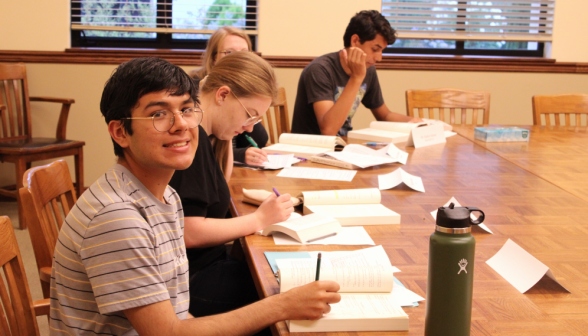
(119, 248)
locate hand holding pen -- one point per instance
(254, 155)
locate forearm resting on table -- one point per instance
(160, 319)
(206, 232)
(331, 116)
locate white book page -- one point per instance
(323, 141)
(352, 210)
(354, 235)
(366, 278)
(398, 176)
(304, 222)
(344, 196)
(287, 148)
(318, 174)
(399, 127)
(365, 306)
(279, 161)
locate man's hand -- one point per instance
(255, 156)
(416, 120)
(311, 301)
(355, 61)
(274, 210)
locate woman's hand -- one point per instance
(274, 210)
(255, 156)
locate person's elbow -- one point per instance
(327, 129)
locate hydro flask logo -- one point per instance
(462, 265)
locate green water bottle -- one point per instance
(450, 280)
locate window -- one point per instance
(164, 24)
(493, 27)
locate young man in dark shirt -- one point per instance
(332, 86)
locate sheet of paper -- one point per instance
(318, 174)
(426, 136)
(398, 176)
(365, 306)
(273, 256)
(278, 161)
(360, 160)
(388, 152)
(456, 203)
(519, 267)
(405, 297)
(449, 134)
(353, 235)
(395, 153)
(343, 196)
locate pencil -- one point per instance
(276, 192)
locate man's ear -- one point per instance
(355, 40)
(118, 133)
(221, 94)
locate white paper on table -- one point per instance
(278, 161)
(405, 297)
(446, 126)
(472, 216)
(360, 160)
(395, 153)
(398, 176)
(426, 136)
(318, 173)
(519, 267)
(352, 235)
(449, 134)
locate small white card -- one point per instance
(426, 136)
(398, 176)
(519, 267)
(318, 173)
(456, 203)
(396, 154)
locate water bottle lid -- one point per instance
(452, 217)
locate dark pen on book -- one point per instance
(318, 267)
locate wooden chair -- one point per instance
(18, 318)
(16, 142)
(280, 113)
(558, 105)
(449, 99)
(48, 195)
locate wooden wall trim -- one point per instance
(408, 63)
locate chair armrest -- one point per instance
(62, 123)
(53, 100)
(45, 274)
(42, 307)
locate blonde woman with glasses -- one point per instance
(224, 41)
(234, 96)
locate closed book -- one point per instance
(384, 131)
(304, 145)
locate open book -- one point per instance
(385, 131)
(306, 228)
(350, 206)
(304, 145)
(366, 280)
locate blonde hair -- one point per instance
(209, 55)
(247, 75)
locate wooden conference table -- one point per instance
(543, 218)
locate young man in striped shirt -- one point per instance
(120, 263)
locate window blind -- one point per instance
(163, 16)
(492, 20)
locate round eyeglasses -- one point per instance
(164, 120)
(252, 120)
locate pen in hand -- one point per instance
(276, 192)
(252, 142)
(318, 267)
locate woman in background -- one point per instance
(234, 96)
(223, 42)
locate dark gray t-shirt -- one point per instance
(325, 79)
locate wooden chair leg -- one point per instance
(79, 166)
(20, 168)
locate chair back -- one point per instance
(442, 99)
(18, 316)
(49, 195)
(566, 105)
(280, 113)
(15, 119)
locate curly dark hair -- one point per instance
(132, 80)
(367, 24)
